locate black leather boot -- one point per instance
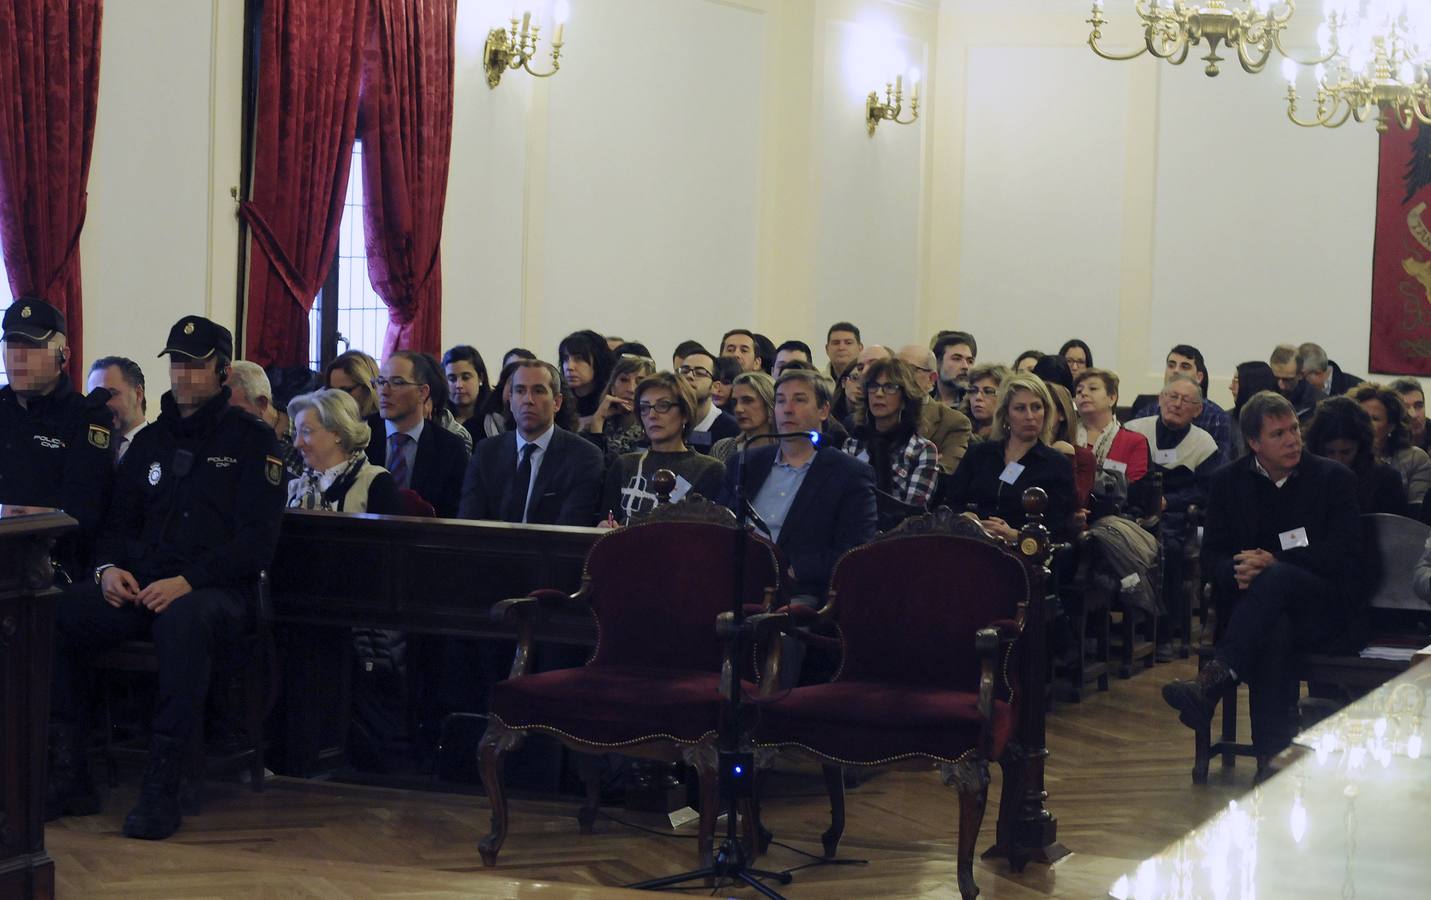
(1196, 699)
(157, 814)
(69, 791)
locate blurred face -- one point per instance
(33, 369)
(240, 398)
(1092, 397)
(842, 348)
(1416, 406)
(720, 393)
(885, 401)
(1380, 421)
(1319, 380)
(749, 410)
(400, 397)
(321, 447)
(696, 370)
(983, 400)
(534, 405)
(1287, 376)
(1342, 450)
(660, 416)
(341, 381)
(1025, 365)
(954, 367)
(126, 403)
(625, 385)
(579, 374)
(923, 365)
(1182, 365)
(797, 408)
(1076, 360)
(193, 381)
(1178, 404)
(463, 385)
(785, 356)
(740, 347)
(1233, 388)
(1025, 416)
(1279, 447)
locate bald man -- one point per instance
(948, 428)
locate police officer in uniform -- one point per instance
(54, 443)
(195, 517)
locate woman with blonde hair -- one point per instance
(991, 480)
(615, 427)
(752, 403)
(337, 475)
(354, 372)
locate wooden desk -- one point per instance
(334, 572)
(26, 622)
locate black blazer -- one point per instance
(976, 483)
(833, 511)
(437, 469)
(567, 489)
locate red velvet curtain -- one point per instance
(49, 84)
(310, 70)
(406, 129)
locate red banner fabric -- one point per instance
(1401, 262)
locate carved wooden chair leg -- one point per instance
(835, 785)
(1014, 765)
(971, 778)
(588, 766)
(496, 741)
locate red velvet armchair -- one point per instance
(930, 617)
(653, 686)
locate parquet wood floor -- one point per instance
(1118, 780)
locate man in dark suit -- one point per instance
(1282, 545)
(419, 454)
(538, 473)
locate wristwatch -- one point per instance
(99, 570)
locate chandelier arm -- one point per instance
(1248, 65)
(1319, 120)
(527, 64)
(1277, 40)
(1116, 57)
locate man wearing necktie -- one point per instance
(420, 456)
(124, 380)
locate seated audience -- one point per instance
(886, 434)
(586, 363)
(1076, 355)
(1115, 449)
(516, 354)
(1282, 547)
(613, 341)
(1341, 431)
(741, 344)
(1414, 399)
(1391, 430)
(956, 353)
(467, 386)
(127, 406)
(1065, 441)
(250, 391)
(711, 423)
(832, 433)
(685, 348)
(991, 480)
(438, 408)
(421, 456)
(666, 406)
(1026, 361)
(632, 348)
(722, 377)
(1249, 380)
(983, 397)
(1053, 370)
(495, 413)
(854, 379)
(948, 428)
(1324, 374)
(1287, 367)
(337, 475)
(791, 350)
(356, 373)
(1185, 359)
(537, 473)
(615, 427)
(842, 347)
(752, 404)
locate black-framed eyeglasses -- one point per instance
(888, 388)
(660, 406)
(698, 371)
(987, 391)
(394, 382)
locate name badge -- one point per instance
(1297, 537)
(1011, 473)
(1165, 457)
(1114, 465)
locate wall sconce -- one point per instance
(515, 49)
(889, 110)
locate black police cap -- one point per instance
(199, 338)
(32, 319)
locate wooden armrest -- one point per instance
(516, 609)
(986, 645)
(1007, 629)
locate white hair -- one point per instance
(338, 412)
(250, 378)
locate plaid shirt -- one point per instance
(916, 468)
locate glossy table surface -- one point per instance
(1349, 818)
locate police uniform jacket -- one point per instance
(56, 452)
(200, 497)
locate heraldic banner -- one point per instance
(1401, 263)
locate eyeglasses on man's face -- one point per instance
(395, 382)
(698, 371)
(660, 406)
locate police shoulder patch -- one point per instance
(99, 436)
(273, 470)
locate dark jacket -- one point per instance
(833, 511)
(437, 468)
(568, 483)
(723, 427)
(200, 497)
(1341, 382)
(58, 452)
(975, 484)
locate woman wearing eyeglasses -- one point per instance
(666, 407)
(354, 372)
(886, 433)
(983, 396)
